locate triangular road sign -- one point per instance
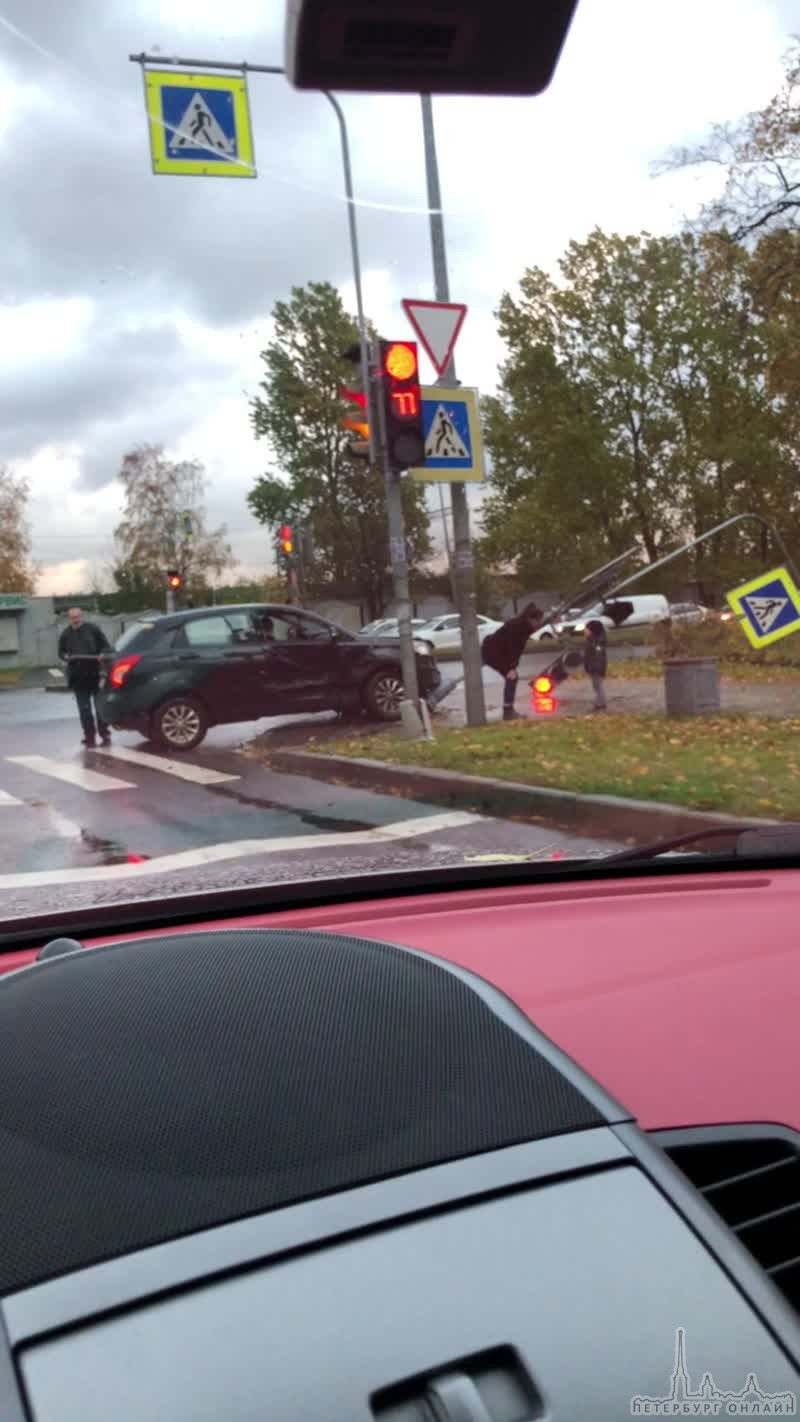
(766, 610)
(437, 324)
(199, 129)
(444, 441)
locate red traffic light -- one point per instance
(544, 705)
(401, 401)
(400, 360)
(174, 579)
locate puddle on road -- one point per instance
(315, 819)
(83, 850)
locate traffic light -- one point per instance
(174, 579)
(543, 685)
(356, 420)
(285, 541)
(401, 405)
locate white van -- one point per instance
(647, 609)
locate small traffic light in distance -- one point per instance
(286, 541)
(401, 400)
(174, 579)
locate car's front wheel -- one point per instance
(383, 694)
(179, 724)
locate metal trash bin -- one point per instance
(691, 686)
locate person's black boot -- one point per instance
(89, 742)
(509, 714)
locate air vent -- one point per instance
(752, 1179)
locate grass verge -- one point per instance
(732, 764)
(9, 676)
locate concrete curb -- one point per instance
(604, 815)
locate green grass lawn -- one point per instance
(734, 764)
(9, 676)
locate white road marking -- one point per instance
(72, 774)
(199, 774)
(6, 799)
(243, 848)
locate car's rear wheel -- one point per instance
(383, 694)
(179, 724)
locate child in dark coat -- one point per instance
(595, 661)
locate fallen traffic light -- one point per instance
(543, 705)
(543, 685)
(558, 671)
(401, 405)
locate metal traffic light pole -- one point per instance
(462, 566)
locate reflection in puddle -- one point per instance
(82, 849)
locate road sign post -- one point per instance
(464, 572)
(768, 607)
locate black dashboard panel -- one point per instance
(285, 1174)
(585, 1282)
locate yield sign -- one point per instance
(437, 323)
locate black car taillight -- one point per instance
(120, 670)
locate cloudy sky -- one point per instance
(133, 307)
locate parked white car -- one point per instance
(444, 633)
(389, 627)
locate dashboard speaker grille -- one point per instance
(153, 1088)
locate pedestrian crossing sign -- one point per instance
(199, 124)
(768, 608)
(451, 425)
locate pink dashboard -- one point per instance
(679, 994)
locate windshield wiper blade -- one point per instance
(751, 842)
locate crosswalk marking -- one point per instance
(72, 774)
(6, 799)
(199, 774)
(246, 848)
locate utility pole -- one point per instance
(462, 564)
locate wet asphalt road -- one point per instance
(80, 827)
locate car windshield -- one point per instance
(318, 460)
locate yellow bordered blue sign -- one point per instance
(768, 607)
(452, 429)
(199, 124)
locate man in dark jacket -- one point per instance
(80, 645)
(595, 661)
(502, 649)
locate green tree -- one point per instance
(339, 498)
(152, 535)
(17, 573)
(635, 406)
(760, 156)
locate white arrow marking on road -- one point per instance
(6, 799)
(245, 848)
(72, 774)
(199, 774)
